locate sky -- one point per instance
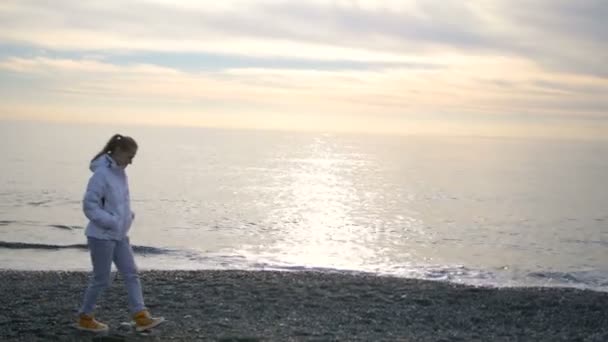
(450, 67)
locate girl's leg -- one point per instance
(101, 258)
(125, 263)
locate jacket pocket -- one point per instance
(114, 223)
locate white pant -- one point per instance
(103, 252)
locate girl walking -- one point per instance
(107, 206)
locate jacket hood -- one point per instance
(102, 161)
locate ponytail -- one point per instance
(115, 142)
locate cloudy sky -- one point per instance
(484, 67)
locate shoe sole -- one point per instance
(78, 327)
(148, 327)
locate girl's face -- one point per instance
(123, 157)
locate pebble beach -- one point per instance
(300, 306)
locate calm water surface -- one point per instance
(502, 212)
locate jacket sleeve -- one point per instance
(92, 204)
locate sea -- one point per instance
(484, 211)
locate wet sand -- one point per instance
(301, 306)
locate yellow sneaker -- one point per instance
(143, 320)
(89, 323)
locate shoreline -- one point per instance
(225, 305)
(74, 258)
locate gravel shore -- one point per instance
(301, 306)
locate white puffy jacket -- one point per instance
(106, 202)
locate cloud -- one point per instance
(392, 91)
(562, 35)
(492, 61)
